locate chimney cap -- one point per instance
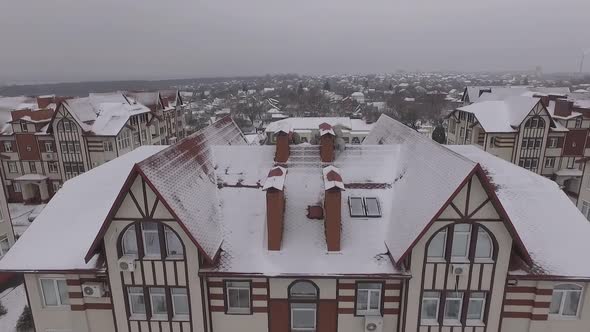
(332, 178)
(284, 127)
(276, 178)
(326, 128)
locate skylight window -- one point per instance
(364, 207)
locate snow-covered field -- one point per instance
(14, 300)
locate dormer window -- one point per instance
(364, 207)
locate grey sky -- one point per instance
(70, 40)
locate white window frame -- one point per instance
(549, 162)
(53, 167)
(371, 292)
(32, 167)
(158, 316)
(24, 128)
(315, 318)
(130, 294)
(442, 233)
(452, 321)
(4, 238)
(373, 215)
(465, 257)
(8, 147)
(565, 292)
(168, 231)
(490, 254)
(143, 233)
(17, 187)
(431, 321)
(239, 285)
(107, 146)
(176, 315)
(12, 167)
(357, 215)
(48, 147)
(124, 250)
(552, 142)
(60, 302)
(476, 321)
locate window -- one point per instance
(484, 246)
(356, 207)
(238, 297)
(586, 209)
(550, 162)
(12, 167)
(565, 301)
(77, 147)
(158, 302)
(8, 147)
(525, 143)
(437, 246)
(124, 140)
(461, 236)
(67, 125)
(461, 132)
(452, 126)
(143, 135)
(151, 239)
(179, 303)
(108, 145)
(4, 245)
(468, 138)
(136, 300)
(356, 140)
(552, 143)
(64, 147)
(48, 147)
(136, 138)
(52, 165)
(368, 298)
(372, 207)
(56, 186)
(55, 292)
(33, 167)
(302, 301)
(364, 207)
(578, 122)
(453, 305)
(430, 306)
(534, 163)
(476, 306)
(173, 244)
(17, 188)
(129, 242)
(24, 127)
(537, 143)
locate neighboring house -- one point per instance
(353, 131)
(54, 142)
(396, 234)
(541, 131)
(7, 238)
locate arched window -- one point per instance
(535, 122)
(484, 247)
(461, 244)
(565, 300)
(303, 298)
(149, 243)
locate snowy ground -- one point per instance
(22, 216)
(14, 300)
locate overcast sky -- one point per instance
(73, 40)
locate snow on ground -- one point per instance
(14, 300)
(22, 215)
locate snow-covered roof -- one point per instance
(541, 213)
(332, 178)
(276, 178)
(297, 124)
(499, 116)
(62, 233)
(475, 93)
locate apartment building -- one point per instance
(544, 132)
(396, 234)
(54, 140)
(7, 237)
(352, 131)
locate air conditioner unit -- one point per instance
(459, 269)
(48, 156)
(93, 290)
(373, 324)
(127, 264)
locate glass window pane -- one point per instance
(461, 236)
(62, 288)
(303, 316)
(136, 300)
(180, 301)
(483, 249)
(429, 308)
(437, 245)
(374, 299)
(303, 289)
(158, 299)
(173, 244)
(476, 306)
(130, 242)
(356, 207)
(453, 306)
(555, 302)
(372, 206)
(49, 292)
(362, 299)
(570, 305)
(568, 287)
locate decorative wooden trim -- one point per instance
(346, 311)
(346, 298)
(75, 295)
(391, 311)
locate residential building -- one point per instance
(396, 234)
(352, 131)
(7, 237)
(544, 132)
(47, 144)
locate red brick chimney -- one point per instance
(333, 186)
(283, 138)
(326, 143)
(544, 100)
(44, 101)
(563, 107)
(275, 206)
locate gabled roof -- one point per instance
(501, 116)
